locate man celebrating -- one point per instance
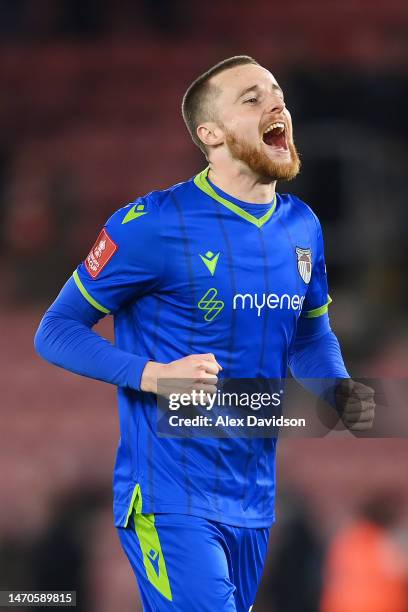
(217, 273)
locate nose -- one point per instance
(276, 104)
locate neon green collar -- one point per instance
(202, 183)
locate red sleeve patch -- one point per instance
(100, 254)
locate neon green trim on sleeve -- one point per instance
(317, 312)
(153, 558)
(202, 183)
(87, 296)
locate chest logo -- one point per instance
(304, 262)
(211, 306)
(210, 260)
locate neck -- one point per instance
(240, 182)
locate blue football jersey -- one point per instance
(192, 270)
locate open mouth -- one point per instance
(275, 136)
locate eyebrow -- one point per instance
(258, 89)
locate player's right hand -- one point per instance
(182, 375)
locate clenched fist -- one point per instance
(198, 372)
(356, 405)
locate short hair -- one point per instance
(195, 107)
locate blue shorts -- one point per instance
(187, 563)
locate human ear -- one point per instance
(210, 134)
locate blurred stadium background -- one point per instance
(89, 119)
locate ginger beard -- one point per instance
(260, 163)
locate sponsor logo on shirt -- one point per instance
(100, 254)
(210, 305)
(259, 301)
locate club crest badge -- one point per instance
(304, 262)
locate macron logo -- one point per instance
(267, 300)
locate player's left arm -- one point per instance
(316, 362)
(315, 356)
